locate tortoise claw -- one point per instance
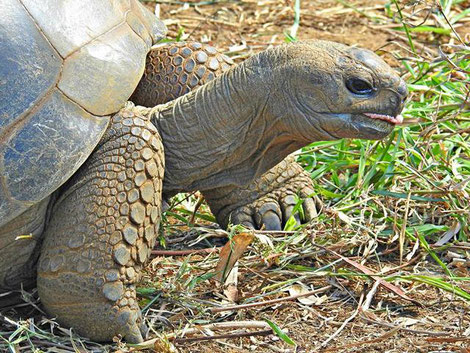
(269, 201)
(273, 210)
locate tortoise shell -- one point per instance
(66, 66)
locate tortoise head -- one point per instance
(331, 91)
(236, 127)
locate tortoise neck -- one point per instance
(220, 134)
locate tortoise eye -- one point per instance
(358, 86)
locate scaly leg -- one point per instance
(268, 201)
(177, 68)
(102, 229)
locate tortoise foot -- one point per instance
(102, 230)
(269, 201)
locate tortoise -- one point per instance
(83, 172)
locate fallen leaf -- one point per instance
(398, 291)
(230, 285)
(231, 292)
(345, 218)
(300, 288)
(230, 254)
(406, 321)
(453, 230)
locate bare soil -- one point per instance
(337, 322)
(242, 28)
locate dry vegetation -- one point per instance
(388, 257)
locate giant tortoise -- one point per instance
(82, 172)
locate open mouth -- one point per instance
(395, 120)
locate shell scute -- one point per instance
(65, 67)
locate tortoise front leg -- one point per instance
(102, 230)
(269, 201)
(175, 69)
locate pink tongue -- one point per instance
(391, 119)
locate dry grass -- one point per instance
(390, 250)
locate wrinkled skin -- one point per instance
(99, 228)
(230, 131)
(268, 201)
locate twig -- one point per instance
(215, 326)
(199, 202)
(269, 302)
(370, 295)
(395, 289)
(338, 331)
(362, 343)
(185, 252)
(448, 339)
(217, 337)
(423, 332)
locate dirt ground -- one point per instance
(244, 27)
(336, 322)
(241, 28)
(336, 319)
(251, 26)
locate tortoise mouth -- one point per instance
(394, 120)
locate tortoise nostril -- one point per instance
(403, 90)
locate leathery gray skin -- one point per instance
(225, 135)
(175, 69)
(232, 130)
